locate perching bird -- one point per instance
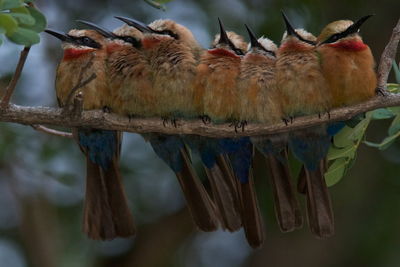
(304, 91)
(170, 51)
(259, 102)
(347, 62)
(106, 211)
(216, 96)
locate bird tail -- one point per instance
(319, 206)
(286, 205)
(200, 205)
(106, 212)
(225, 195)
(251, 217)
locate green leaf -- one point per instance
(342, 139)
(393, 87)
(335, 171)
(163, 1)
(396, 70)
(40, 20)
(24, 37)
(8, 23)
(381, 114)
(23, 18)
(360, 129)
(385, 143)
(394, 126)
(1, 41)
(9, 4)
(156, 4)
(346, 152)
(394, 110)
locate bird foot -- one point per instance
(238, 125)
(206, 119)
(167, 120)
(106, 109)
(381, 91)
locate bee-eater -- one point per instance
(106, 212)
(304, 91)
(216, 96)
(347, 62)
(259, 102)
(169, 50)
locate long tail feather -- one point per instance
(319, 207)
(286, 205)
(251, 216)
(224, 199)
(199, 203)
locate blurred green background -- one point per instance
(42, 177)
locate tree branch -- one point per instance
(13, 83)
(389, 53)
(44, 129)
(101, 120)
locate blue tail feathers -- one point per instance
(101, 145)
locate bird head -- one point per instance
(261, 45)
(229, 40)
(341, 30)
(299, 36)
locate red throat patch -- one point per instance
(222, 53)
(350, 45)
(149, 42)
(113, 47)
(72, 53)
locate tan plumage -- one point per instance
(297, 66)
(260, 103)
(106, 212)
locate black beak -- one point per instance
(289, 28)
(223, 37)
(357, 25)
(137, 24)
(253, 39)
(106, 33)
(62, 36)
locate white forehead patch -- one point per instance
(303, 33)
(77, 33)
(126, 30)
(159, 25)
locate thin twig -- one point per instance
(13, 83)
(81, 83)
(44, 129)
(389, 53)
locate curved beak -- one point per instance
(253, 39)
(106, 33)
(59, 35)
(289, 28)
(137, 24)
(223, 37)
(357, 25)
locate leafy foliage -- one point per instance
(20, 22)
(345, 144)
(159, 4)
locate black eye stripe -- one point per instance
(170, 33)
(85, 41)
(132, 40)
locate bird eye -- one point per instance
(87, 41)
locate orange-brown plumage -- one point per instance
(347, 65)
(300, 80)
